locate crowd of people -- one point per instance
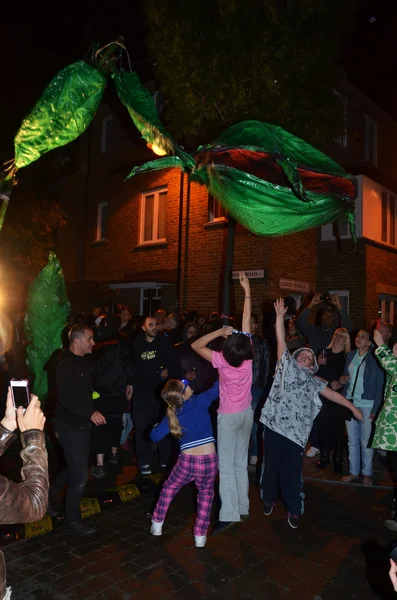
(210, 398)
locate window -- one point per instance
(342, 138)
(388, 220)
(388, 309)
(216, 212)
(107, 131)
(343, 297)
(153, 216)
(371, 141)
(102, 222)
(150, 300)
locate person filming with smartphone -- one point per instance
(24, 502)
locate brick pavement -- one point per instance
(335, 553)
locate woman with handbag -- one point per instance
(363, 384)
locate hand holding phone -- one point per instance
(31, 418)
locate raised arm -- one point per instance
(280, 329)
(345, 320)
(245, 284)
(339, 399)
(200, 345)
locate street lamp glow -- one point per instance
(156, 149)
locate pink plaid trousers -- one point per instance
(200, 469)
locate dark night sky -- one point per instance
(33, 47)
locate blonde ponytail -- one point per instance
(172, 395)
(173, 423)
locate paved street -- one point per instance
(337, 553)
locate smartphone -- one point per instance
(20, 393)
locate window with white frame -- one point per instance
(153, 210)
(343, 297)
(388, 219)
(216, 212)
(342, 138)
(371, 140)
(102, 222)
(107, 134)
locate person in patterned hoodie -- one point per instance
(287, 416)
(385, 436)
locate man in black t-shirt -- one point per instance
(155, 359)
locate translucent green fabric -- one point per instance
(62, 113)
(47, 312)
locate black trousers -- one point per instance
(75, 443)
(105, 436)
(283, 471)
(146, 411)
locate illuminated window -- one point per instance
(102, 222)
(388, 309)
(388, 222)
(107, 134)
(153, 209)
(371, 140)
(216, 212)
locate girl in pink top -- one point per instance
(235, 415)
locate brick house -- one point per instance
(121, 241)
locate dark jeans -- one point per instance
(105, 436)
(146, 411)
(283, 470)
(75, 443)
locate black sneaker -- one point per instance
(114, 459)
(268, 508)
(222, 525)
(77, 528)
(293, 521)
(145, 470)
(98, 472)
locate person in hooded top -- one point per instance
(288, 414)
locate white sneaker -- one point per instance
(200, 541)
(253, 461)
(156, 528)
(312, 452)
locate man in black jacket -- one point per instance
(155, 359)
(112, 379)
(74, 415)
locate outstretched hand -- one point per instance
(378, 339)
(317, 299)
(225, 331)
(244, 282)
(280, 308)
(33, 417)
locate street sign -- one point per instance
(251, 274)
(294, 286)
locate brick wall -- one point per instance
(344, 270)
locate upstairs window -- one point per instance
(371, 141)
(107, 134)
(216, 212)
(153, 210)
(342, 138)
(102, 222)
(388, 220)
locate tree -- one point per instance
(29, 231)
(226, 61)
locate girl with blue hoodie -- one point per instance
(188, 420)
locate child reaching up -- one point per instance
(235, 414)
(288, 414)
(189, 422)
